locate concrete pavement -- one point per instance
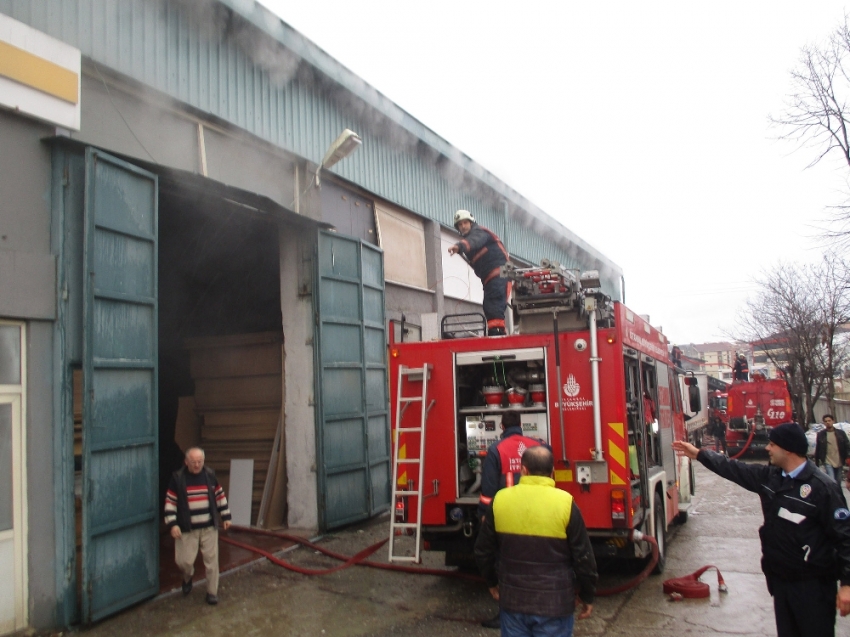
(267, 600)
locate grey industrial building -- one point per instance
(177, 194)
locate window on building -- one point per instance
(402, 237)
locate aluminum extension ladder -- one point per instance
(413, 374)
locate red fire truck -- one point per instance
(589, 377)
(751, 409)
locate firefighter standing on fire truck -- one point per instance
(484, 251)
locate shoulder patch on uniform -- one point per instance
(805, 490)
(842, 514)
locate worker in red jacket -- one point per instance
(483, 250)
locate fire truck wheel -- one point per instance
(660, 534)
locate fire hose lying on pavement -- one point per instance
(361, 559)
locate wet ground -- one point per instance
(263, 599)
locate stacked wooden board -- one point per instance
(238, 395)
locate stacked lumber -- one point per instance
(238, 395)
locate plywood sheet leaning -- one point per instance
(238, 395)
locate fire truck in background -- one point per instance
(749, 409)
(588, 376)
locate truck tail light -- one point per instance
(618, 507)
(401, 510)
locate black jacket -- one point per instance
(483, 251)
(544, 553)
(840, 439)
(806, 530)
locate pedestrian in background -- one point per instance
(805, 538)
(831, 449)
(545, 558)
(195, 508)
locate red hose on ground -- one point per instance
(746, 444)
(690, 587)
(605, 592)
(360, 558)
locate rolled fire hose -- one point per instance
(689, 586)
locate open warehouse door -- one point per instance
(353, 427)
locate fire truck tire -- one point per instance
(660, 533)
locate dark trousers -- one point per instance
(805, 608)
(495, 299)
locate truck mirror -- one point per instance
(694, 398)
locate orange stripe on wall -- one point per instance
(38, 73)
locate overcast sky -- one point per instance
(642, 127)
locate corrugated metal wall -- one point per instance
(210, 55)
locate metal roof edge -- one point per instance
(272, 25)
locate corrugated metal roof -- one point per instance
(286, 90)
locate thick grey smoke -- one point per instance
(381, 122)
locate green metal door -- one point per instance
(353, 430)
(120, 540)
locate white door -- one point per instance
(12, 529)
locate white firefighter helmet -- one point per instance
(463, 215)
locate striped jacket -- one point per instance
(543, 549)
(195, 501)
(483, 251)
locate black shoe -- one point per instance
(493, 622)
(187, 587)
(212, 600)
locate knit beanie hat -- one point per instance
(791, 437)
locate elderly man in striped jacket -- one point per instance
(195, 508)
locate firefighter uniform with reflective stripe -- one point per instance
(502, 465)
(544, 552)
(483, 250)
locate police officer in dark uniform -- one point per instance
(805, 537)
(484, 251)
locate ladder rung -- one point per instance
(409, 460)
(404, 558)
(408, 428)
(405, 492)
(411, 399)
(414, 370)
(405, 525)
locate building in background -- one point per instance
(716, 359)
(187, 255)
